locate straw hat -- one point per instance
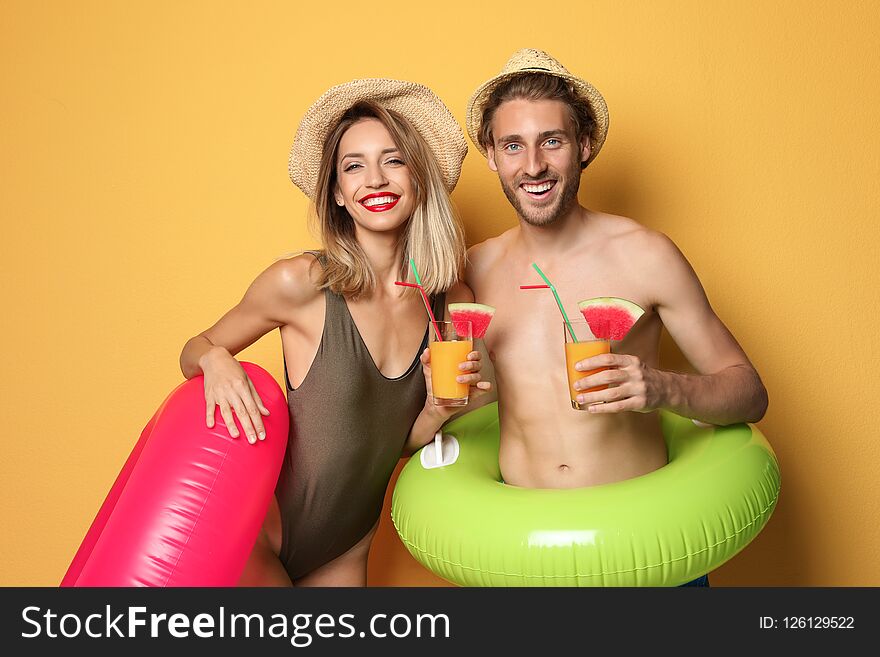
(528, 60)
(418, 104)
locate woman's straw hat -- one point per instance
(418, 104)
(528, 60)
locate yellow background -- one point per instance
(143, 186)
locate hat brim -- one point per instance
(598, 107)
(418, 104)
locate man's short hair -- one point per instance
(537, 86)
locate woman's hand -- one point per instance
(228, 386)
(469, 373)
(433, 417)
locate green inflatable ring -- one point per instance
(664, 528)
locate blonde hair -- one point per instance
(433, 236)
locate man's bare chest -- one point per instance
(528, 327)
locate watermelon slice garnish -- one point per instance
(610, 318)
(478, 314)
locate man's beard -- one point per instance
(546, 215)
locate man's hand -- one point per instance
(633, 386)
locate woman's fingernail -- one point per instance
(262, 435)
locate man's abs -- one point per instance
(571, 449)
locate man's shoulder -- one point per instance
(486, 253)
(629, 236)
(649, 255)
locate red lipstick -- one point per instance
(389, 201)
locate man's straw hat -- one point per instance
(528, 60)
(418, 104)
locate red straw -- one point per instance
(427, 306)
(534, 287)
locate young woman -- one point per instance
(378, 159)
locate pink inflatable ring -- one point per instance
(189, 502)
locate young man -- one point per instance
(539, 127)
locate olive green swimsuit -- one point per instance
(348, 425)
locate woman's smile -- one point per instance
(372, 176)
(380, 201)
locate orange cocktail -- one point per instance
(586, 347)
(578, 351)
(446, 356)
